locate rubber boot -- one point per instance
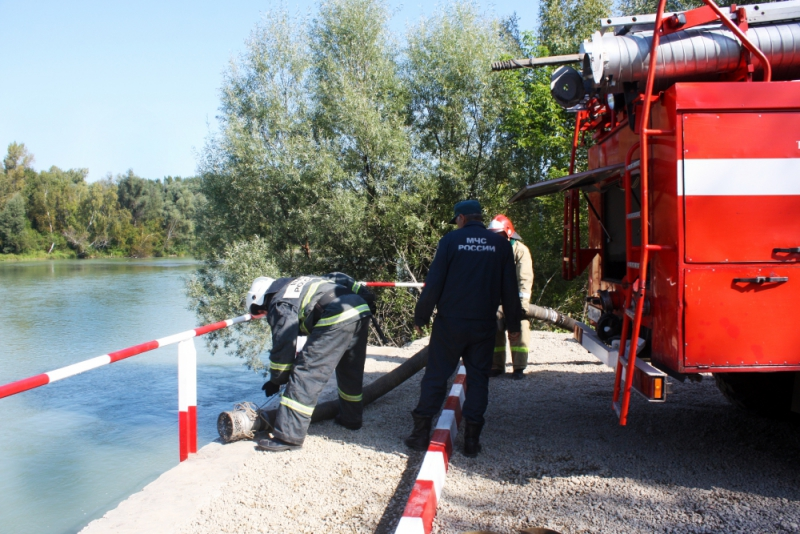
(472, 432)
(421, 435)
(276, 445)
(351, 426)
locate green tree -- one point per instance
(335, 164)
(13, 238)
(218, 288)
(17, 165)
(182, 201)
(538, 142)
(53, 198)
(142, 198)
(564, 24)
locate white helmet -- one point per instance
(258, 292)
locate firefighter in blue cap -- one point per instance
(334, 312)
(472, 273)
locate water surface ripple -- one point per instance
(72, 450)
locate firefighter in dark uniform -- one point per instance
(471, 275)
(334, 312)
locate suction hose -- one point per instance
(549, 315)
(380, 387)
(389, 381)
(234, 425)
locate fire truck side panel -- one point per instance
(742, 186)
(665, 293)
(741, 196)
(732, 323)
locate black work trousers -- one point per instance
(340, 347)
(452, 339)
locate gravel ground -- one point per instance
(553, 457)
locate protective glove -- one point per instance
(270, 388)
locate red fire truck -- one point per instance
(692, 196)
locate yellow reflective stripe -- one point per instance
(296, 406)
(519, 349)
(281, 366)
(345, 315)
(499, 349)
(306, 300)
(351, 398)
(310, 293)
(356, 287)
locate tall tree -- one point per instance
(16, 165)
(13, 238)
(334, 164)
(538, 142)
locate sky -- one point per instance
(111, 86)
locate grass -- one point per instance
(39, 255)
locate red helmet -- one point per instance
(501, 223)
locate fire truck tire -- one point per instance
(768, 394)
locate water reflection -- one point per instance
(72, 450)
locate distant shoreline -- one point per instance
(71, 255)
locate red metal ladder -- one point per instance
(636, 271)
(636, 278)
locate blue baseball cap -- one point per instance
(466, 207)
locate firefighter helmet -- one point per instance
(501, 223)
(258, 293)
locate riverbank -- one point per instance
(554, 456)
(72, 255)
(283, 490)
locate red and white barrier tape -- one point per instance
(421, 507)
(392, 284)
(76, 368)
(187, 375)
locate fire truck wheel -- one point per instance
(768, 394)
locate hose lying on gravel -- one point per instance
(549, 315)
(232, 426)
(389, 381)
(378, 388)
(229, 431)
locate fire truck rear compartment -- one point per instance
(741, 316)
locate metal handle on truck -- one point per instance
(761, 280)
(790, 250)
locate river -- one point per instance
(72, 450)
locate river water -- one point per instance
(72, 450)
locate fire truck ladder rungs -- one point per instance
(636, 274)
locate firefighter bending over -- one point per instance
(524, 264)
(334, 312)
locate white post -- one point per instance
(187, 398)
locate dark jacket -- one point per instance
(472, 273)
(307, 302)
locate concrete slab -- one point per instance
(174, 498)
